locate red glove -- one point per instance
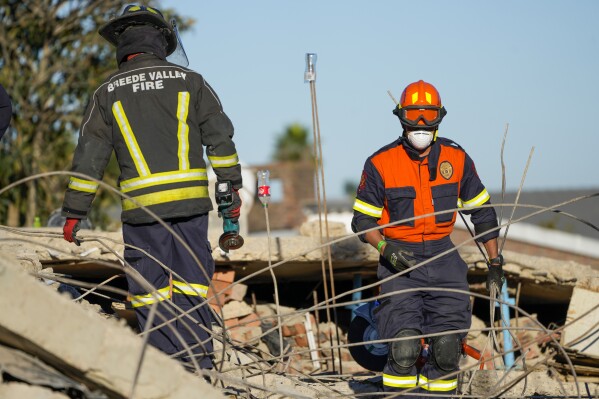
(70, 229)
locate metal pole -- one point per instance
(310, 77)
(508, 356)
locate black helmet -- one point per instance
(139, 15)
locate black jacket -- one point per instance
(5, 111)
(157, 117)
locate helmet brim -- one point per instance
(115, 27)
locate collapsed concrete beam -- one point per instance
(102, 355)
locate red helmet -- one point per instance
(420, 107)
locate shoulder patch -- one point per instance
(362, 182)
(446, 170)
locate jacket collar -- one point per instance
(433, 155)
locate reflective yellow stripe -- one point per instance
(437, 385)
(180, 287)
(156, 179)
(151, 298)
(87, 186)
(368, 209)
(165, 196)
(183, 131)
(138, 158)
(399, 382)
(223, 162)
(480, 199)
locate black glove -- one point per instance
(233, 211)
(495, 274)
(397, 256)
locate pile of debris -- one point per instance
(263, 349)
(264, 327)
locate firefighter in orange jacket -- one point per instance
(416, 175)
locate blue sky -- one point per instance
(532, 64)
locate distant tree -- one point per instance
(293, 144)
(350, 188)
(51, 60)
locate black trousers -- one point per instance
(180, 290)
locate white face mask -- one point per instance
(420, 139)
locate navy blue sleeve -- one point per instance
(5, 111)
(473, 194)
(370, 199)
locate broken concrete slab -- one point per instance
(549, 279)
(581, 335)
(99, 353)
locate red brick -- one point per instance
(237, 334)
(224, 275)
(252, 333)
(288, 331)
(231, 322)
(301, 340)
(220, 288)
(300, 328)
(251, 320)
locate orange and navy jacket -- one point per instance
(397, 184)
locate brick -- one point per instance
(251, 320)
(300, 328)
(220, 288)
(222, 297)
(224, 275)
(301, 340)
(288, 331)
(252, 334)
(245, 335)
(237, 292)
(237, 334)
(231, 322)
(236, 309)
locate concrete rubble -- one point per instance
(98, 354)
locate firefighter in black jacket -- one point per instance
(157, 116)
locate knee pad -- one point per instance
(446, 351)
(405, 353)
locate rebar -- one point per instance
(259, 365)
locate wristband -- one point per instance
(380, 244)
